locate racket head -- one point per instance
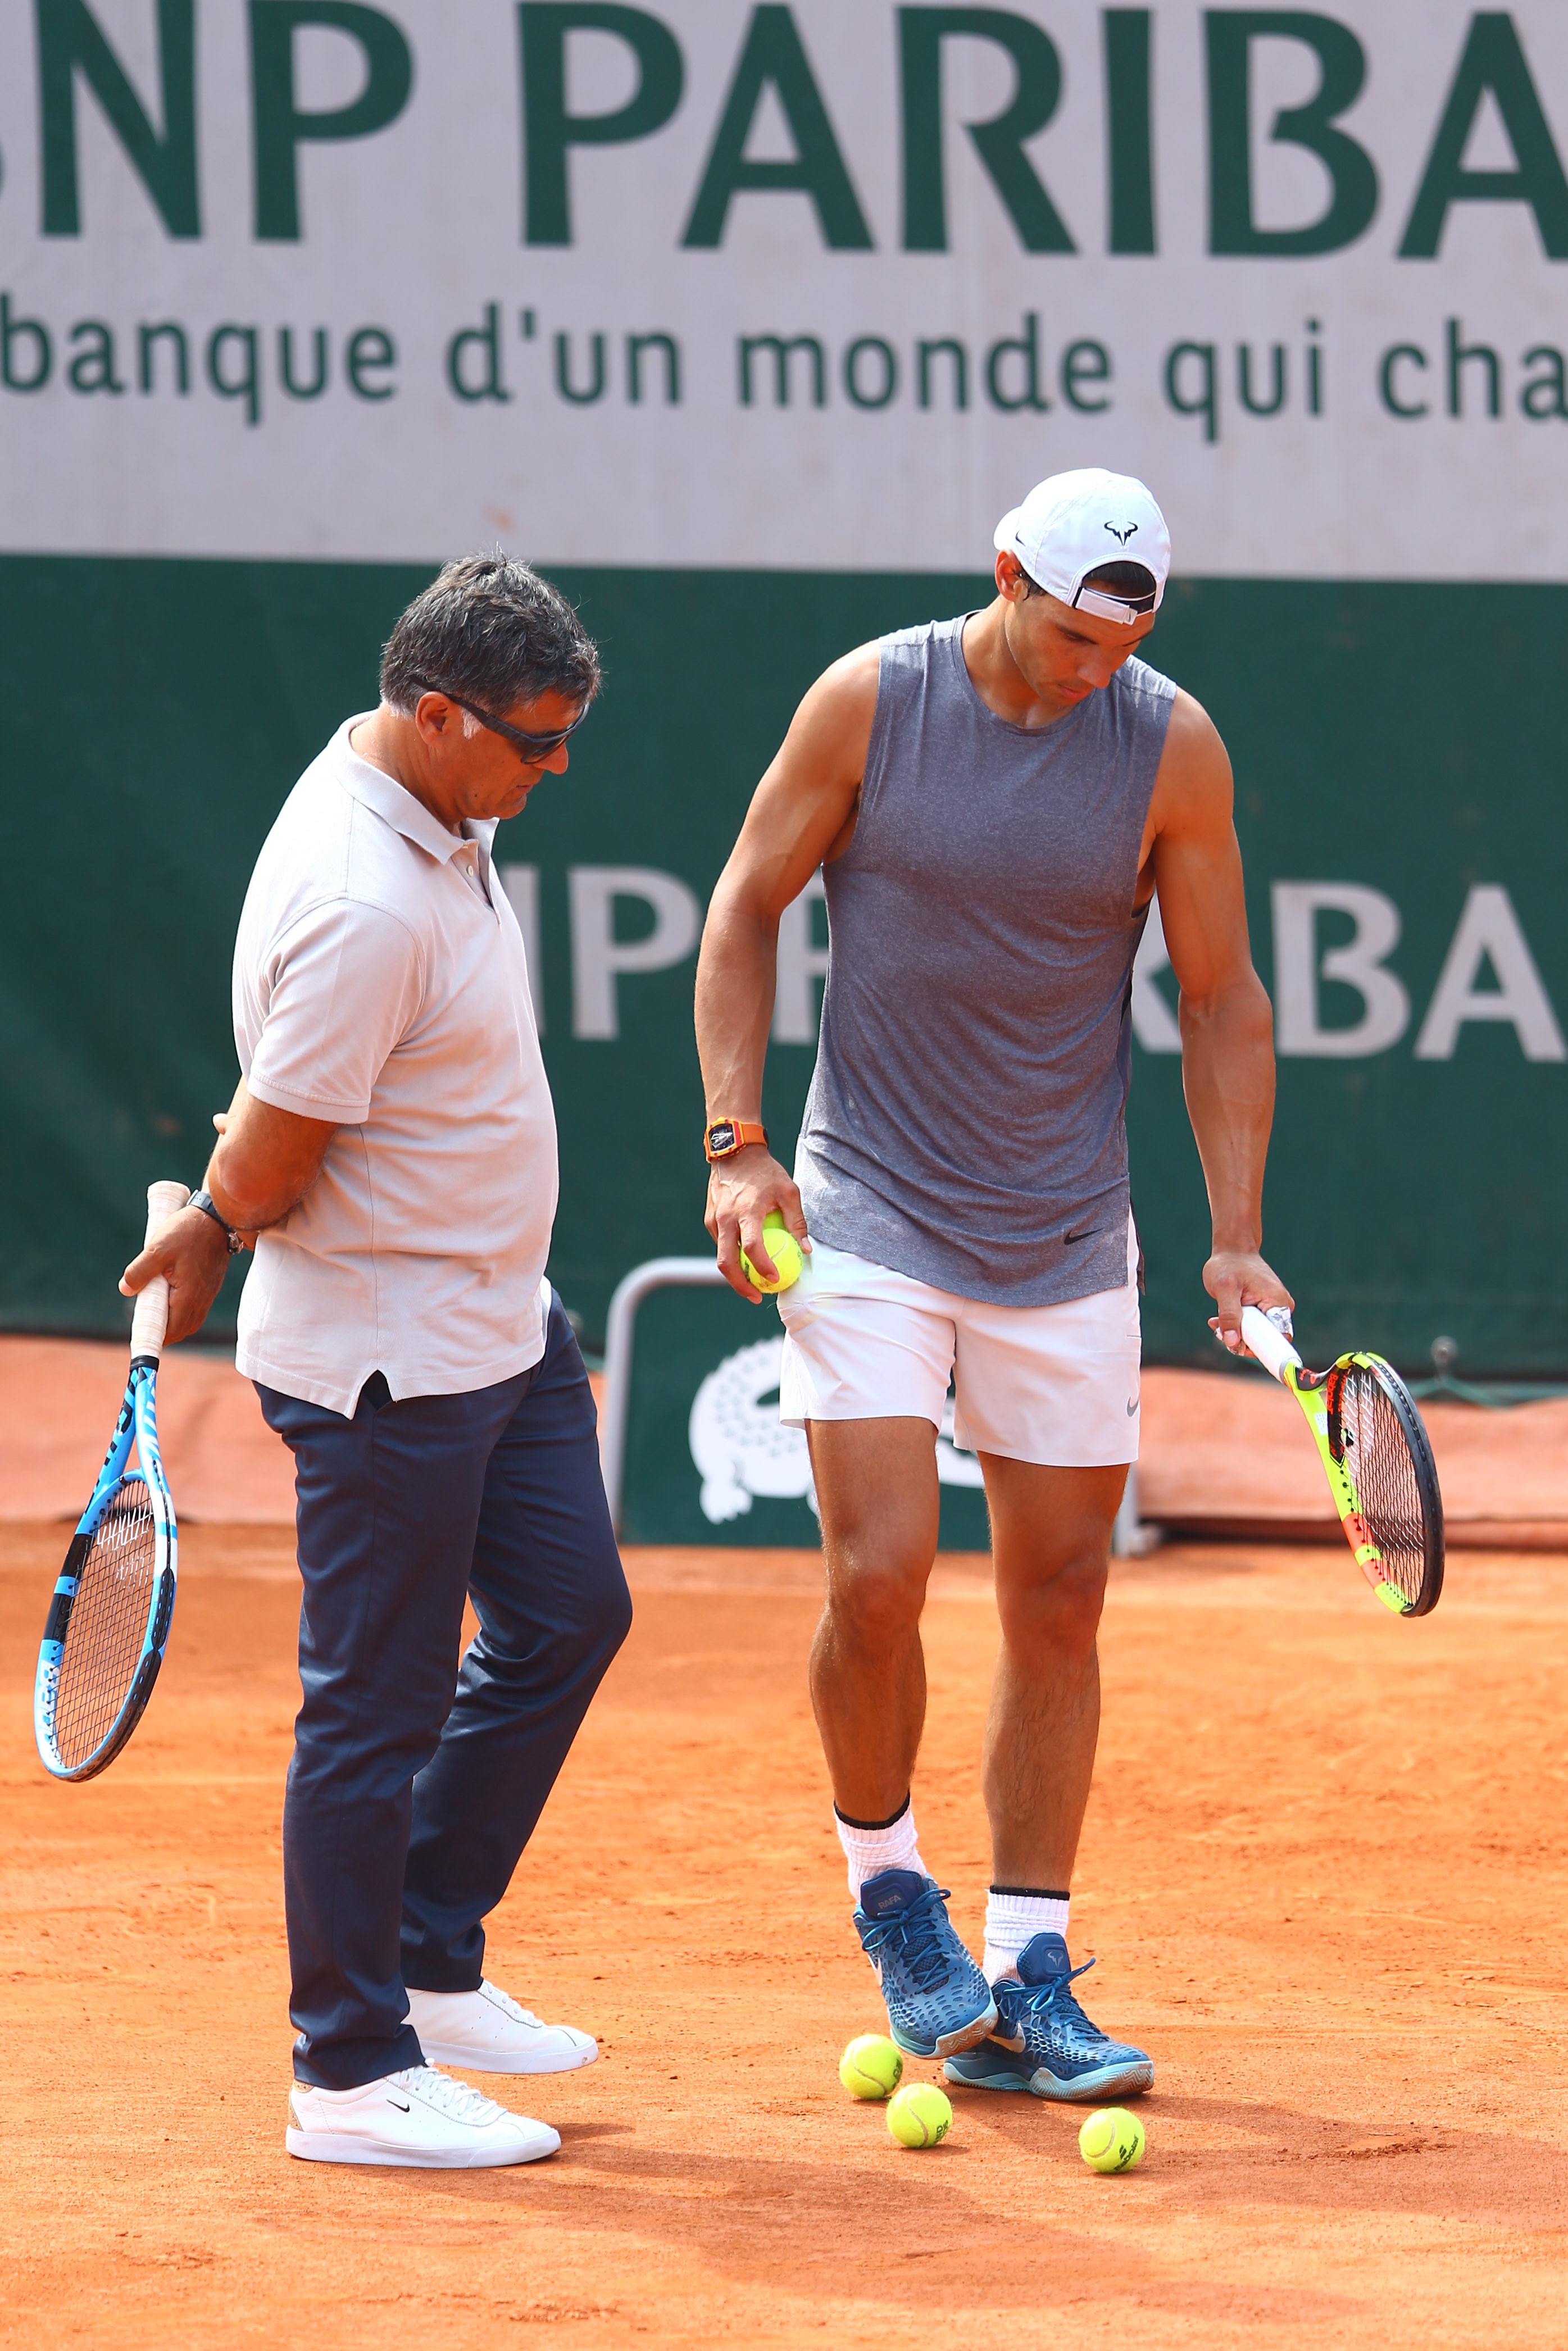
(109, 1619)
(1375, 1432)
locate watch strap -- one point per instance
(209, 1208)
(725, 1136)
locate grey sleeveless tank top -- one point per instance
(965, 1119)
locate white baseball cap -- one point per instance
(1071, 524)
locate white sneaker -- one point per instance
(416, 2117)
(489, 2034)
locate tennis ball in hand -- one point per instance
(871, 2067)
(919, 2116)
(1111, 2140)
(783, 1248)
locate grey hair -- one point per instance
(490, 629)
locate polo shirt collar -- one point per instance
(375, 789)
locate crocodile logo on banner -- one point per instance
(741, 1450)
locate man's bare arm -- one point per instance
(801, 813)
(1226, 1022)
(264, 1163)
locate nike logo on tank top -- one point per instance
(966, 1122)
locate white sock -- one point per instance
(872, 1847)
(1014, 1915)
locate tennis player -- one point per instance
(392, 1149)
(995, 802)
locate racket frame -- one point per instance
(1312, 1392)
(137, 1424)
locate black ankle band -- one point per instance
(872, 1825)
(1034, 1893)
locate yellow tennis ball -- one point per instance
(871, 2067)
(919, 2116)
(1111, 2140)
(783, 1248)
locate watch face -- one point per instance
(721, 1137)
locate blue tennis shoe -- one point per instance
(938, 2001)
(1042, 2040)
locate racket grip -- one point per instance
(1266, 1340)
(150, 1319)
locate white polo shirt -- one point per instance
(379, 982)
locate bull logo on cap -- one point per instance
(1122, 532)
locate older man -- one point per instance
(392, 1151)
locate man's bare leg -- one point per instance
(1050, 1541)
(877, 1491)
(876, 1488)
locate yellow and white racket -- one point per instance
(1377, 1458)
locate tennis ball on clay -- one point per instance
(871, 2067)
(1111, 2140)
(919, 2116)
(783, 1248)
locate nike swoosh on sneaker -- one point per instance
(399, 2103)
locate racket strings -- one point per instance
(1377, 1456)
(108, 1623)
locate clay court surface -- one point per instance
(1324, 1868)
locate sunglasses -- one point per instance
(533, 747)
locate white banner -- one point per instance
(828, 285)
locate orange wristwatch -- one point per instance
(725, 1136)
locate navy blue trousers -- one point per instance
(408, 1806)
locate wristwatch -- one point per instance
(209, 1208)
(725, 1136)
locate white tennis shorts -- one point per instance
(1056, 1384)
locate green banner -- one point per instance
(1399, 762)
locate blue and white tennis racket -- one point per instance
(109, 1620)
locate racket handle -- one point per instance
(1266, 1340)
(150, 1319)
